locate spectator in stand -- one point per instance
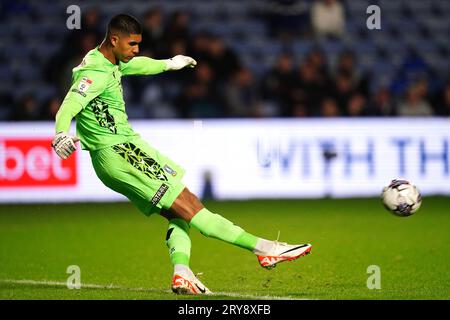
(443, 102)
(329, 108)
(241, 95)
(328, 18)
(173, 82)
(356, 106)
(278, 82)
(382, 104)
(299, 110)
(6, 105)
(287, 19)
(222, 59)
(50, 108)
(343, 90)
(177, 28)
(310, 87)
(201, 97)
(152, 34)
(414, 105)
(90, 25)
(27, 109)
(87, 43)
(317, 59)
(422, 86)
(347, 64)
(199, 46)
(73, 49)
(413, 69)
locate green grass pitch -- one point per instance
(122, 254)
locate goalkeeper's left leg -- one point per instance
(184, 281)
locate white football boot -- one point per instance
(188, 284)
(282, 251)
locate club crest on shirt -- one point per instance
(170, 171)
(83, 86)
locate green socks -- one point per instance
(178, 242)
(216, 226)
(210, 225)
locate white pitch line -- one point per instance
(114, 287)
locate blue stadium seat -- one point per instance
(26, 72)
(302, 47)
(136, 111)
(395, 48)
(5, 112)
(6, 73)
(204, 9)
(43, 51)
(443, 42)
(441, 5)
(365, 47)
(390, 6)
(211, 27)
(48, 8)
(384, 67)
(437, 64)
(243, 48)
(437, 26)
(366, 60)
(405, 27)
(357, 8)
(271, 47)
(332, 47)
(45, 93)
(235, 9)
(5, 31)
(418, 7)
(112, 8)
(427, 46)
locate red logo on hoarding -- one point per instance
(33, 163)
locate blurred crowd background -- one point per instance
(278, 58)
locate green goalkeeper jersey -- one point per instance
(95, 99)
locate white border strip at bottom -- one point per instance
(114, 287)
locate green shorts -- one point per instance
(149, 179)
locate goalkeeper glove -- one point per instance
(64, 145)
(179, 61)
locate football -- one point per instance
(401, 197)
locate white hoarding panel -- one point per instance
(245, 158)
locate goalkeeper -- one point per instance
(127, 164)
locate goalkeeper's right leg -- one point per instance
(188, 207)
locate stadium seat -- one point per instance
(45, 93)
(5, 112)
(136, 111)
(418, 6)
(5, 73)
(365, 47)
(302, 47)
(408, 24)
(357, 8)
(390, 6)
(332, 47)
(26, 72)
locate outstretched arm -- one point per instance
(62, 143)
(88, 86)
(68, 110)
(148, 66)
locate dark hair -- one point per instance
(124, 23)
